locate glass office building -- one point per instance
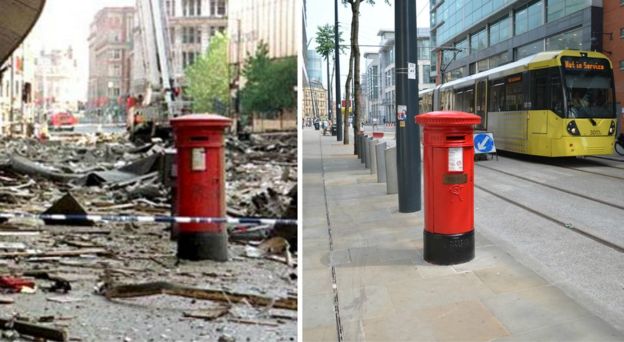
(471, 36)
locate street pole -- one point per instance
(407, 132)
(337, 60)
(329, 116)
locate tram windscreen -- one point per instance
(588, 87)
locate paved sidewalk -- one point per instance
(354, 237)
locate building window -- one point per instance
(218, 7)
(191, 35)
(170, 8)
(483, 65)
(529, 49)
(622, 65)
(114, 54)
(191, 8)
(622, 31)
(189, 58)
(500, 31)
(114, 70)
(560, 8)
(478, 41)
(530, 17)
(566, 40)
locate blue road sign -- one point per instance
(484, 143)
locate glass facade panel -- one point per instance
(566, 40)
(483, 65)
(622, 31)
(556, 9)
(529, 49)
(499, 59)
(478, 41)
(424, 49)
(457, 16)
(500, 31)
(463, 46)
(529, 17)
(426, 74)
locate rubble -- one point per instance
(72, 265)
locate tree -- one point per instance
(208, 78)
(270, 84)
(325, 47)
(355, 59)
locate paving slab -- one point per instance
(387, 292)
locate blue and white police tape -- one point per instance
(157, 218)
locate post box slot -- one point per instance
(199, 138)
(455, 138)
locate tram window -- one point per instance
(514, 97)
(556, 91)
(539, 87)
(497, 96)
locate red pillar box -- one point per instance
(201, 185)
(449, 186)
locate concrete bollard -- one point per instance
(392, 184)
(381, 162)
(368, 153)
(373, 155)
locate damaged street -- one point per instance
(119, 278)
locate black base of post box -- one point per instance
(203, 246)
(442, 249)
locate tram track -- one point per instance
(591, 172)
(578, 230)
(590, 198)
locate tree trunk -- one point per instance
(355, 50)
(345, 120)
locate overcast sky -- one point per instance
(66, 22)
(372, 19)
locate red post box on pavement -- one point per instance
(201, 185)
(449, 186)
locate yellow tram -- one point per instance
(553, 104)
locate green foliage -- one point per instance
(208, 78)
(325, 40)
(270, 83)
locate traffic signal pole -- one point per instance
(407, 131)
(337, 59)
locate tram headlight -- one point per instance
(612, 128)
(572, 129)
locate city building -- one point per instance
(370, 88)
(380, 73)
(314, 101)
(57, 86)
(16, 82)
(613, 46)
(470, 36)
(110, 47)
(314, 66)
(270, 21)
(190, 26)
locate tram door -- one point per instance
(481, 103)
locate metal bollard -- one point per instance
(392, 184)
(368, 153)
(364, 140)
(373, 155)
(359, 147)
(381, 162)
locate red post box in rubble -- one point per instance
(449, 186)
(201, 185)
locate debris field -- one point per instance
(77, 280)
